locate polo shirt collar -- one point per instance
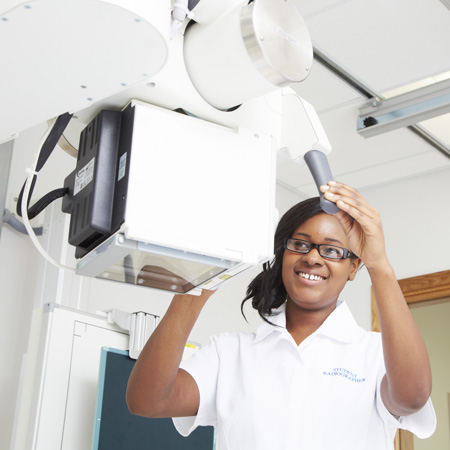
(339, 325)
(278, 319)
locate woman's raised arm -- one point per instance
(157, 387)
(406, 386)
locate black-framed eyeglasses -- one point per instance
(325, 250)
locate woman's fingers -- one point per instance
(360, 221)
(349, 200)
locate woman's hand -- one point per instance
(365, 232)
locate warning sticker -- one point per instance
(84, 176)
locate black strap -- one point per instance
(46, 150)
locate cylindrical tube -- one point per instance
(250, 51)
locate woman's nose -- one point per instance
(313, 257)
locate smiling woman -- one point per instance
(283, 386)
(313, 282)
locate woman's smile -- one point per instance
(311, 276)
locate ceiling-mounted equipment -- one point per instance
(249, 51)
(164, 200)
(60, 56)
(182, 200)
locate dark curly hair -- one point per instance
(267, 290)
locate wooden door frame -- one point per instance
(422, 290)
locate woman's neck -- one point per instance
(301, 323)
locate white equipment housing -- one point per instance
(60, 56)
(185, 229)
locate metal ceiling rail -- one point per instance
(382, 115)
(345, 76)
(405, 109)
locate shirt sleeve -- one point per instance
(203, 366)
(422, 423)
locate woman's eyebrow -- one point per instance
(303, 234)
(308, 236)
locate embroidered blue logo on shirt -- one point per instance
(340, 372)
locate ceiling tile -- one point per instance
(384, 44)
(310, 8)
(325, 90)
(439, 127)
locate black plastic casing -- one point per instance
(97, 193)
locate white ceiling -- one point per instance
(385, 45)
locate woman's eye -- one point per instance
(333, 251)
(300, 245)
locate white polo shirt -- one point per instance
(263, 392)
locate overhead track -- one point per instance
(405, 109)
(381, 115)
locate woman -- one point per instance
(309, 378)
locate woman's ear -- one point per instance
(355, 264)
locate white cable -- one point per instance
(179, 13)
(183, 7)
(26, 192)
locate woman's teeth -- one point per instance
(311, 276)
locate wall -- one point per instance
(416, 226)
(433, 323)
(416, 220)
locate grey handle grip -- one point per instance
(320, 170)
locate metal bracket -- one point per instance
(140, 325)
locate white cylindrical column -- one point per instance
(248, 52)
